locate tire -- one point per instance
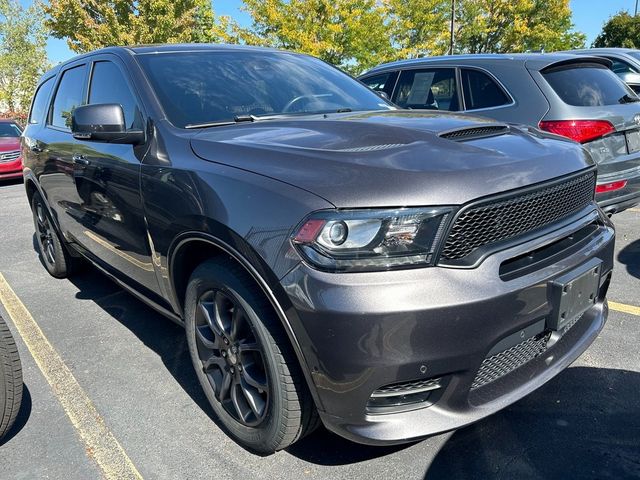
(10, 379)
(261, 419)
(53, 251)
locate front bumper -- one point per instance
(11, 169)
(362, 331)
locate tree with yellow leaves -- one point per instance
(91, 24)
(500, 26)
(350, 34)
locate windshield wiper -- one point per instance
(626, 98)
(257, 118)
(236, 119)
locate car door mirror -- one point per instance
(383, 94)
(103, 123)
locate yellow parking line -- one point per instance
(100, 443)
(624, 308)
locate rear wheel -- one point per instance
(55, 255)
(244, 361)
(10, 379)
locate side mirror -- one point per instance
(103, 123)
(383, 94)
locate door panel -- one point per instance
(107, 178)
(57, 146)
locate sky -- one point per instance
(588, 17)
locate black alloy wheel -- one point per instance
(244, 360)
(45, 233)
(232, 357)
(53, 251)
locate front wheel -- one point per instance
(244, 360)
(10, 379)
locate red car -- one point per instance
(10, 157)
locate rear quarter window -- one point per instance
(40, 101)
(587, 85)
(480, 91)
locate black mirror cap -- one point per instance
(103, 123)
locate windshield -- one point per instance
(9, 130)
(219, 86)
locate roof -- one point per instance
(605, 50)
(534, 61)
(159, 48)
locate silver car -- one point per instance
(573, 96)
(625, 62)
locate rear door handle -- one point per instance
(81, 160)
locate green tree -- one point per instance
(350, 34)
(91, 24)
(23, 58)
(418, 27)
(499, 26)
(621, 30)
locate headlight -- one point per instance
(358, 240)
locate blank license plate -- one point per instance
(633, 140)
(574, 293)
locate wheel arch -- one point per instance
(192, 248)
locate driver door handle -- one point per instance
(81, 160)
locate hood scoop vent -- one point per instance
(371, 148)
(474, 132)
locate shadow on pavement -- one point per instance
(630, 257)
(583, 424)
(323, 447)
(157, 332)
(23, 416)
(12, 181)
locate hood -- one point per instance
(392, 159)
(8, 144)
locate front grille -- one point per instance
(9, 156)
(475, 132)
(501, 219)
(502, 363)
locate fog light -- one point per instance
(403, 396)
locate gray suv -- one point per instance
(391, 274)
(576, 97)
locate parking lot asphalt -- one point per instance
(132, 367)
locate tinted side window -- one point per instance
(587, 85)
(109, 86)
(621, 67)
(39, 106)
(480, 91)
(68, 97)
(382, 83)
(433, 89)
